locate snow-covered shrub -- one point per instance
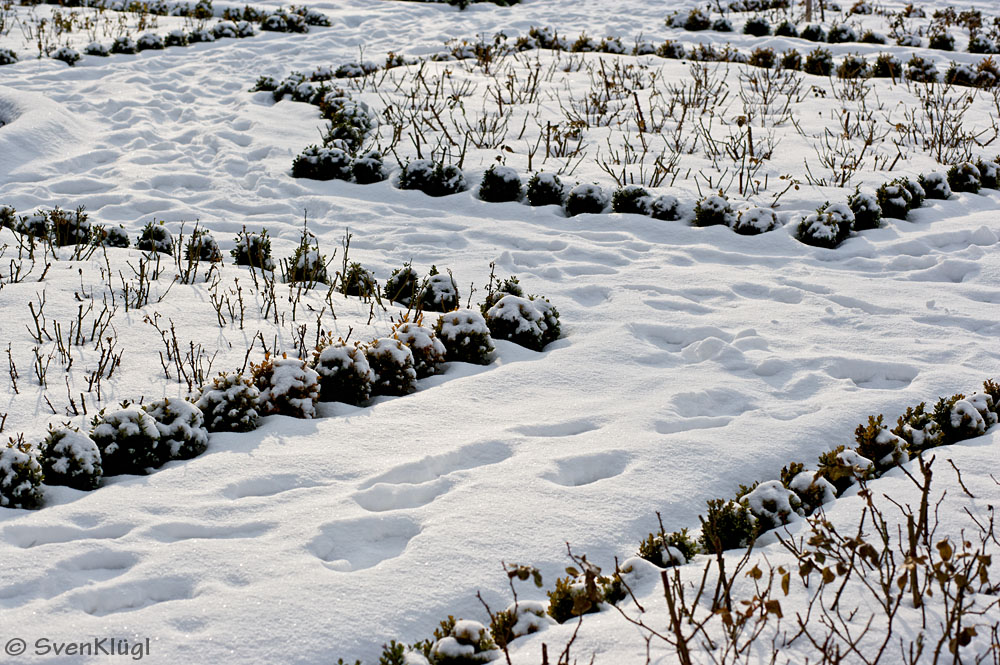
(842, 467)
(229, 403)
(124, 44)
(958, 418)
(344, 373)
(631, 198)
(497, 289)
(917, 193)
(369, 168)
(852, 67)
(697, 19)
(176, 37)
(754, 221)
(861, 7)
(919, 428)
(518, 320)
(841, 33)
(432, 178)
(941, 41)
(349, 123)
(829, 226)
(584, 44)
(586, 198)
(182, 428)
(665, 207)
(358, 281)
(818, 62)
(894, 198)
(201, 246)
(20, 475)
(7, 56)
(574, 596)
(70, 457)
(813, 33)
(391, 364)
(867, 212)
(500, 183)
(69, 228)
(307, 264)
(763, 57)
(612, 45)
(887, 66)
(287, 387)
(225, 30)
(872, 37)
(980, 43)
(550, 316)
(728, 525)
(428, 351)
(68, 55)
(155, 238)
(786, 29)
(109, 236)
(757, 26)
(200, 35)
(149, 41)
(964, 177)
(35, 224)
(812, 488)
(402, 285)
(319, 163)
(644, 48)
(987, 73)
(960, 74)
(671, 49)
(521, 618)
(466, 336)
(668, 549)
(987, 174)
(545, 189)
(986, 406)
(791, 60)
(96, 48)
(921, 70)
(461, 642)
(713, 210)
(935, 185)
(128, 440)
(439, 292)
(772, 504)
(881, 446)
(253, 249)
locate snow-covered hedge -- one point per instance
(230, 404)
(288, 387)
(128, 439)
(70, 457)
(344, 373)
(466, 337)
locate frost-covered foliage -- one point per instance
(867, 211)
(964, 177)
(987, 174)
(439, 292)
(20, 476)
(68, 55)
(523, 321)
(128, 439)
(935, 185)
(344, 373)
(500, 183)
(772, 504)
(201, 246)
(182, 428)
(155, 238)
(894, 199)
(841, 33)
(829, 226)
(586, 198)
(632, 199)
(665, 207)
(842, 468)
(402, 285)
(881, 446)
(321, 163)
(369, 168)
(757, 26)
(428, 351)
(230, 404)
(432, 178)
(818, 62)
(668, 549)
(392, 368)
(753, 221)
(70, 457)
(466, 336)
(109, 236)
(69, 228)
(713, 210)
(253, 249)
(307, 264)
(545, 189)
(288, 387)
(728, 525)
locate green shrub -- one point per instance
(586, 198)
(880, 445)
(71, 458)
(69, 228)
(545, 189)
(919, 429)
(935, 185)
(631, 199)
(155, 238)
(287, 386)
(20, 475)
(852, 67)
(201, 246)
(887, 66)
(344, 372)
(754, 221)
(253, 249)
(871, 37)
(757, 26)
(497, 289)
(697, 20)
(763, 57)
(369, 168)
(306, 264)
(813, 33)
(500, 183)
(230, 404)
(466, 337)
(666, 550)
(819, 62)
(517, 320)
(942, 41)
(772, 504)
(894, 198)
(671, 49)
(109, 236)
(786, 29)
(987, 174)
(460, 642)
(842, 468)
(182, 428)
(964, 177)
(828, 227)
(322, 163)
(439, 292)
(128, 439)
(841, 34)
(358, 281)
(582, 592)
(921, 70)
(432, 178)
(428, 351)
(665, 207)
(728, 525)
(791, 60)
(811, 487)
(867, 212)
(958, 418)
(402, 285)
(713, 210)
(391, 364)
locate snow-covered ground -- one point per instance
(693, 359)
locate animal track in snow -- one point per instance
(130, 596)
(265, 486)
(685, 424)
(171, 532)
(351, 545)
(25, 537)
(869, 374)
(568, 428)
(433, 467)
(587, 469)
(395, 496)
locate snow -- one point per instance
(311, 540)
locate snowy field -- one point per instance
(692, 360)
